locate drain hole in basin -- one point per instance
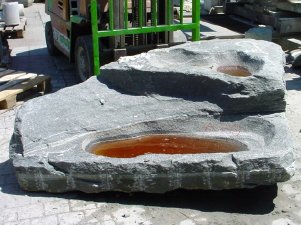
(162, 144)
(237, 71)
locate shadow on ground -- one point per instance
(40, 62)
(258, 200)
(226, 22)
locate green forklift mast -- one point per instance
(94, 32)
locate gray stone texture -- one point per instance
(189, 71)
(289, 6)
(53, 132)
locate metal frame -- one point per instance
(96, 34)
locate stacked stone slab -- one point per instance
(166, 91)
(292, 6)
(189, 72)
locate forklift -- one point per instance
(95, 32)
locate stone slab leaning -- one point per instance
(168, 91)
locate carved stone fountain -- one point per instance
(202, 115)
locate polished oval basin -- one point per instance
(237, 71)
(163, 144)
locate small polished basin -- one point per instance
(237, 71)
(162, 144)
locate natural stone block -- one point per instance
(53, 133)
(199, 71)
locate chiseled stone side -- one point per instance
(189, 71)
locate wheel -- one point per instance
(83, 57)
(52, 50)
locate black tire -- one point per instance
(83, 57)
(52, 50)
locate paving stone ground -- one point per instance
(276, 205)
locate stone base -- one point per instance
(49, 144)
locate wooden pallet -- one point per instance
(13, 83)
(14, 31)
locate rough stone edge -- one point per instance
(61, 175)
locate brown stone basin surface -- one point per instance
(49, 145)
(239, 75)
(162, 144)
(237, 71)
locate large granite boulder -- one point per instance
(198, 70)
(54, 134)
